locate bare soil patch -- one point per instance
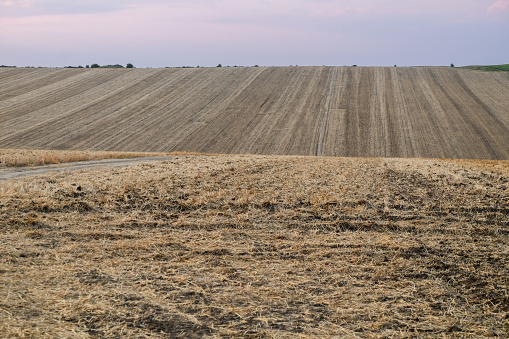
(409, 112)
(258, 246)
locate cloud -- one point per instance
(232, 21)
(498, 7)
(312, 8)
(21, 8)
(173, 32)
(15, 3)
(371, 8)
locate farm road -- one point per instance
(15, 172)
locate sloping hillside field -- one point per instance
(332, 111)
(258, 246)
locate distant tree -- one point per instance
(256, 66)
(95, 66)
(219, 65)
(354, 66)
(129, 66)
(87, 66)
(452, 65)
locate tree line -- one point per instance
(104, 66)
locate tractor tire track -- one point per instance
(323, 130)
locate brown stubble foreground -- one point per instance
(258, 246)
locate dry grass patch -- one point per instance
(257, 246)
(20, 158)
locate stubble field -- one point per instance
(409, 112)
(258, 246)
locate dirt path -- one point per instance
(15, 172)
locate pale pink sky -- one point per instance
(265, 32)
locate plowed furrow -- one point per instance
(33, 81)
(333, 111)
(483, 139)
(40, 135)
(52, 94)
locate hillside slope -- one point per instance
(332, 111)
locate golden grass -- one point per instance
(254, 246)
(21, 158)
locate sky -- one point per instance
(157, 33)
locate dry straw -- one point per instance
(258, 246)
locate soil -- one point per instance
(409, 112)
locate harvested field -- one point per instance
(259, 246)
(334, 111)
